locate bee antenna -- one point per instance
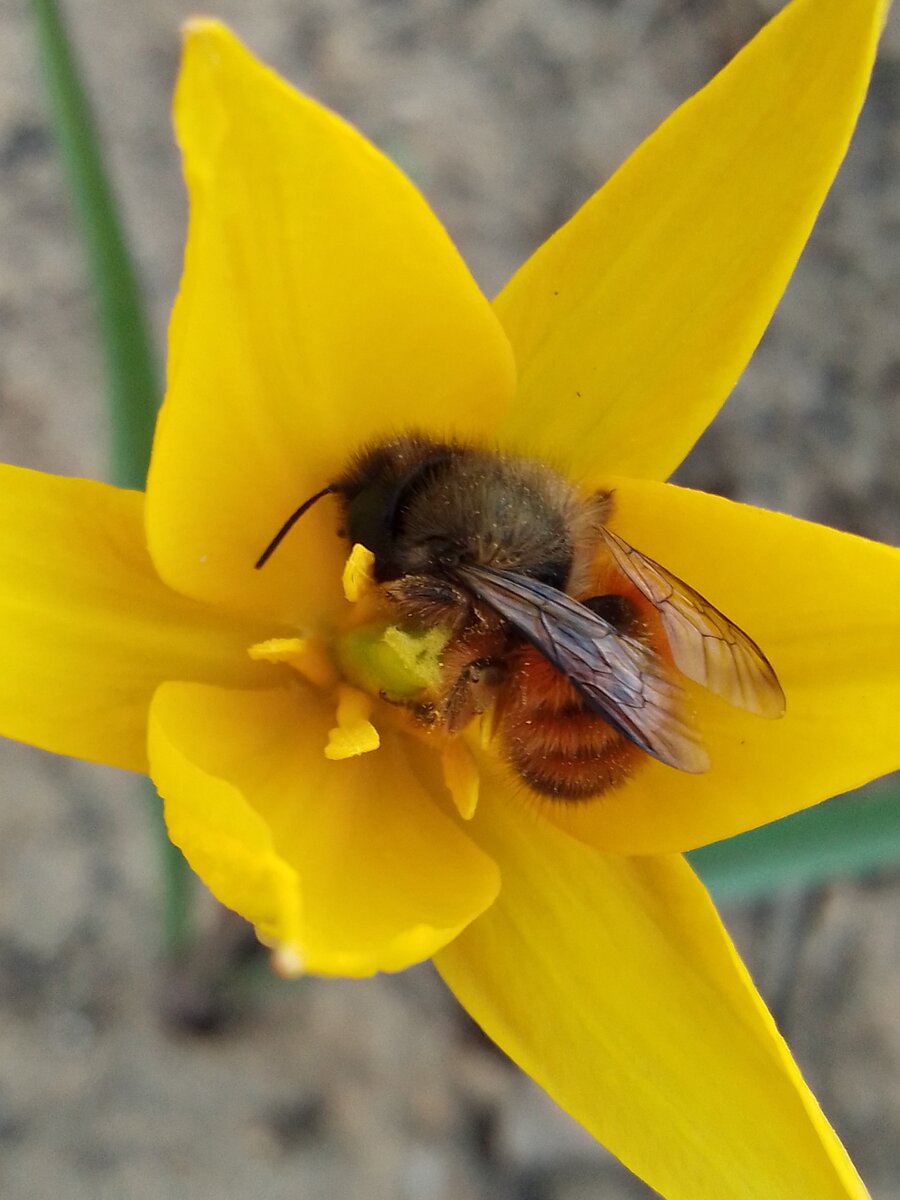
(289, 524)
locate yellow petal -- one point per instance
(87, 630)
(613, 984)
(227, 843)
(631, 325)
(825, 608)
(321, 306)
(383, 877)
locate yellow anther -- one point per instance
(308, 656)
(462, 777)
(357, 578)
(354, 733)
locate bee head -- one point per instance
(382, 491)
(424, 507)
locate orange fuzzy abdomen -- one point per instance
(557, 745)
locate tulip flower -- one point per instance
(322, 309)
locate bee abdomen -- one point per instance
(557, 745)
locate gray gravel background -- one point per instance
(508, 113)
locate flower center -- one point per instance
(375, 659)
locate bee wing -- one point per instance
(617, 677)
(706, 646)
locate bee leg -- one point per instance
(432, 601)
(423, 711)
(472, 691)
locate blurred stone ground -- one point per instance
(508, 113)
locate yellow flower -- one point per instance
(322, 307)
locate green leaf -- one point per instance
(131, 373)
(850, 835)
(132, 379)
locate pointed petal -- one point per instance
(87, 630)
(825, 609)
(348, 864)
(322, 306)
(631, 325)
(613, 984)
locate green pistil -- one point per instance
(398, 663)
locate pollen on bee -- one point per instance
(354, 733)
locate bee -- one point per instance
(574, 640)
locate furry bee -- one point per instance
(572, 637)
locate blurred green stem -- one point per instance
(177, 879)
(131, 375)
(132, 379)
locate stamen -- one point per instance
(308, 656)
(354, 733)
(358, 579)
(462, 777)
